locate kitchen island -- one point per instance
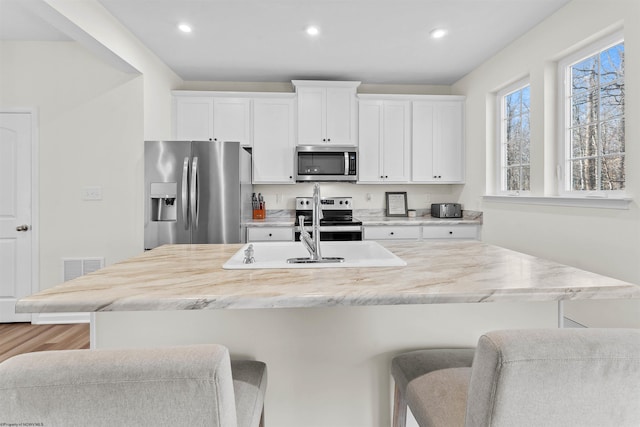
(327, 335)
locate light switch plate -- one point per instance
(92, 193)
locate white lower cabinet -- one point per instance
(386, 232)
(266, 234)
(462, 231)
(426, 232)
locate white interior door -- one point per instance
(15, 213)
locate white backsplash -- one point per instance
(364, 196)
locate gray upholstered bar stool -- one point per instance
(551, 377)
(408, 366)
(177, 386)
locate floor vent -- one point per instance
(76, 267)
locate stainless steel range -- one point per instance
(337, 223)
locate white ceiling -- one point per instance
(374, 41)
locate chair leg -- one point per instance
(399, 408)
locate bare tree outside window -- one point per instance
(516, 140)
(596, 153)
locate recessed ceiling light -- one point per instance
(312, 30)
(185, 28)
(438, 33)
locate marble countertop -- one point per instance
(190, 277)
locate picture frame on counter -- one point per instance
(396, 203)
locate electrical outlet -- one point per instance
(92, 193)
(368, 197)
(427, 199)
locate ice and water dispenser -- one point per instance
(163, 201)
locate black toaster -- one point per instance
(446, 210)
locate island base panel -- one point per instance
(326, 366)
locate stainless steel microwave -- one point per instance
(326, 163)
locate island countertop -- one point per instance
(190, 277)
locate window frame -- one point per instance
(563, 172)
(500, 136)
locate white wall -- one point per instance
(600, 240)
(93, 121)
(90, 133)
(91, 17)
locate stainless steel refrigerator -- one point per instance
(196, 192)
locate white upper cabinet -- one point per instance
(232, 120)
(203, 118)
(385, 137)
(326, 112)
(273, 140)
(194, 118)
(438, 141)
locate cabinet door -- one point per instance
(269, 234)
(340, 116)
(311, 115)
(422, 142)
(438, 142)
(448, 151)
(461, 231)
(370, 135)
(387, 232)
(194, 118)
(273, 143)
(395, 141)
(232, 120)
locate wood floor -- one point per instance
(18, 338)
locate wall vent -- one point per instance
(76, 267)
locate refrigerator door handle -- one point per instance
(194, 193)
(185, 191)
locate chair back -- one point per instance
(563, 377)
(177, 386)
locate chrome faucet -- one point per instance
(313, 245)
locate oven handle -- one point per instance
(334, 228)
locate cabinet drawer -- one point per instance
(450, 232)
(391, 233)
(262, 234)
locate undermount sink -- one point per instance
(276, 254)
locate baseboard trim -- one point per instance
(59, 318)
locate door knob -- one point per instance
(23, 227)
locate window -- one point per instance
(594, 132)
(514, 138)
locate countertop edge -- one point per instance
(625, 292)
